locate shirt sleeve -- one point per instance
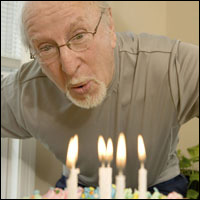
(12, 125)
(184, 81)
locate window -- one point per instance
(17, 156)
(11, 46)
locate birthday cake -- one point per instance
(93, 193)
(105, 176)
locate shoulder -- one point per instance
(150, 43)
(27, 72)
(30, 71)
(26, 81)
(144, 42)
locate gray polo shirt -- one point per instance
(154, 90)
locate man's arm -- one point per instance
(12, 125)
(184, 81)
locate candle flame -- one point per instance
(72, 153)
(101, 149)
(109, 151)
(141, 149)
(121, 151)
(76, 147)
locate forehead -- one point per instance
(42, 9)
(41, 5)
(41, 16)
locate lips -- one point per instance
(78, 85)
(81, 88)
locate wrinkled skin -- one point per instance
(55, 23)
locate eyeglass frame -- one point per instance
(33, 56)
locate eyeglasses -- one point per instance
(79, 42)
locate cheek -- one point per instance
(94, 61)
(55, 74)
(99, 60)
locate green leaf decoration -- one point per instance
(194, 152)
(185, 162)
(186, 167)
(179, 154)
(194, 176)
(192, 194)
(57, 191)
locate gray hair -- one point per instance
(102, 5)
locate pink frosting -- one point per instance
(174, 195)
(58, 193)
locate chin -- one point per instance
(89, 101)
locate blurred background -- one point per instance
(175, 19)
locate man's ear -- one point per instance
(112, 29)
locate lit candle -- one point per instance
(109, 158)
(109, 152)
(105, 173)
(121, 162)
(72, 156)
(142, 176)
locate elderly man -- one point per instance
(87, 80)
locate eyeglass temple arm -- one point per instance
(95, 30)
(32, 56)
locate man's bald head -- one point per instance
(31, 7)
(73, 42)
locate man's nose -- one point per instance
(69, 61)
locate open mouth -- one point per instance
(81, 88)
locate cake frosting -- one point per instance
(93, 193)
